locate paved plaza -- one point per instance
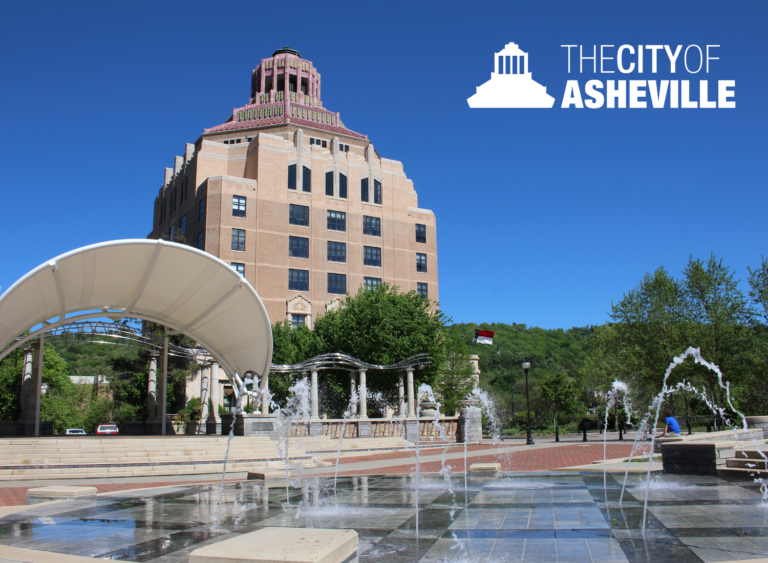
(515, 517)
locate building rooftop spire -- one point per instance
(287, 50)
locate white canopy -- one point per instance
(187, 290)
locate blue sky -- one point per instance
(544, 216)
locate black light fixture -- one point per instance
(526, 367)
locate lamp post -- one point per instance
(526, 367)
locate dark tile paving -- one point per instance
(525, 517)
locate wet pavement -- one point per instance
(552, 517)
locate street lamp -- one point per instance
(526, 367)
(512, 378)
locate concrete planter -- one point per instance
(192, 428)
(758, 422)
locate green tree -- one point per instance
(456, 380)
(560, 391)
(719, 323)
(383, 326)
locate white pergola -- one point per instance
(186, 290)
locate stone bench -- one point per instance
(46, 494)
(281, 545)
(485, 468)
(720, 436)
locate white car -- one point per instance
(75, 432)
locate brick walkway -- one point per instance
(535, 459)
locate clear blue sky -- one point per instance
(544, 216)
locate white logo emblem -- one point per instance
(511, 85)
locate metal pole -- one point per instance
(529, 440)
(164, 375)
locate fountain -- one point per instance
(354, 397)
(618, 388)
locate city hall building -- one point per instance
(303, 207)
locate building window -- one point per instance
(299, 215)
(163, 206)
(345, 148)
(183, 225)
(298, 320)
(239, 268)
(372, 283)
(325, 144)
(298, 247)
(238, 206)
(201, 241)
(306, 180)
(329, 183)
(421, 233)
(421, 262)
(337, 283)
(337, 221)
(372, 256)
(377, 192)
(342, 186)
(238, 239)
(298, 280)
(421, 289)
(184, 190)
(201, 210)
(371, 226)
(173, 200)
(364, 189)
(337, 251)
(291, 176)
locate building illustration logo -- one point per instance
(511, 85)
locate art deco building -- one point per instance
(303, 207)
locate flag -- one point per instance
(483, 337)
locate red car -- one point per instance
(107, 429)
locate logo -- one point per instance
(511, 84)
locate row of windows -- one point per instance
(306, 184)
(298, 280)
(337, 221)
(298, 247)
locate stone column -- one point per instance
(353, 409)
(162, 386)
(152, 387)
(313, 396)
(214, 421)
(205, 386)
(264, 387)
(400, 396)
(363, 396)
(26, 415)
(411, 396)
(315, 426)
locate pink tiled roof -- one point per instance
(234, 125)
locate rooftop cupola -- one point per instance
(286, 76)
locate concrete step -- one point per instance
(738, 473)
(747, 463)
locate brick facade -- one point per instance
(249, 156)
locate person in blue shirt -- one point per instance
(672, 427)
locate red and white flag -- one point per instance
(483, 337)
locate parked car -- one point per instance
(107, 429)
(75, 432)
